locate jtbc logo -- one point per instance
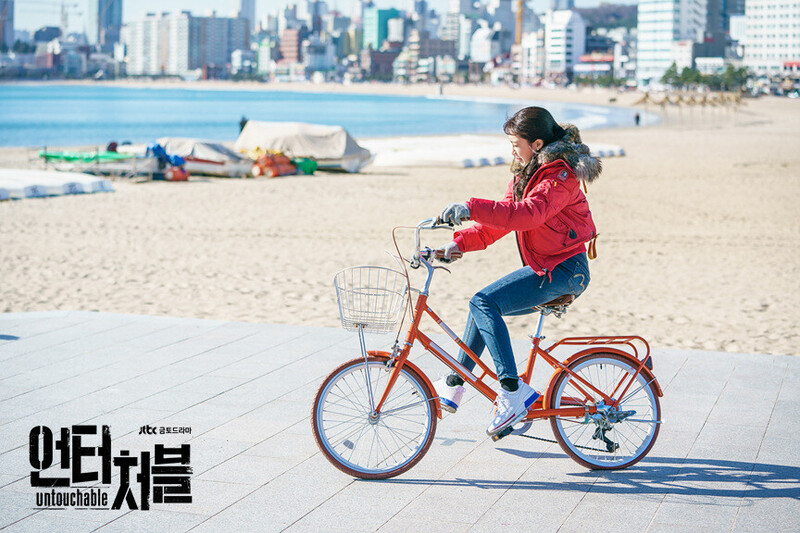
(147, 430)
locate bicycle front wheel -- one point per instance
(614, 438)
(373, 447)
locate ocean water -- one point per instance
(64, 115)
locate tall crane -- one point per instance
(64, 16)
(48, 7)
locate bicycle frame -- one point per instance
(643, 363)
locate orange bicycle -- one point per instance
(375, 417)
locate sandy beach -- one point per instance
(699, 232)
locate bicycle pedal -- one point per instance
(497, 436)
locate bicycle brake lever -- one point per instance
(439, 222)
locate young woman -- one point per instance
(545, 207)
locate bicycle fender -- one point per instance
(420, 373)
(646, 372)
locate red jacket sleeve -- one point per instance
(480, 236)
(477, 237)
(549, 197)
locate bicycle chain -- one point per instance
(556, 442)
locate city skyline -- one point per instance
(33, 14)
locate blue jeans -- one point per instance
(516, 294)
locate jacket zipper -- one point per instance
(519, 249)
(545, 273)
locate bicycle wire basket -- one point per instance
(371, 298)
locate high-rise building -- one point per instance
(501, 12)
(180, 43)
(564, 40)
(267, 55)
(334, 22)
(291, 40)
(7, 23)
(318, 55)
(419, 17)
(359, 6)
(738, 26)
(562, 5)
(460, 6)
(287, 18)
(247, 11)
(716, 31)
(103, 23)
(532, 56)
(354, 40)
(396, 30)
(718, 26)
(484, 45)
(661, 23)
(466, 27)
(376, 25)
(310, 13)
(772, 38)
(456, 9)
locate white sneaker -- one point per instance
(510, 407)
(449, 397)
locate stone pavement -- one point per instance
(727, 457)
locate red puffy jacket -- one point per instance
(552, 220)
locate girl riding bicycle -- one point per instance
(545, 207)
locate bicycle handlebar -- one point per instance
(428, 224)
(428, 253)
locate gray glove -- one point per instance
(453, 214)
(450, 252)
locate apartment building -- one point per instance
(772, 36)
(662, 23)
(181, 43)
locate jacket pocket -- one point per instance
(547, 239)
(577, 226)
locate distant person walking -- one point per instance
(243, 122)
(636, 118)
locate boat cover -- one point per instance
(25, 183)
(201, 149)
(331, 146)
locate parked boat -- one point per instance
(24, 183)
(209, 158)
(330, 146)
(128, 163)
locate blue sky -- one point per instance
(33, 14)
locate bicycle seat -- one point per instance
(558, 305)
(561, 301)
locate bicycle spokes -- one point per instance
(366, 443)
(606, 436)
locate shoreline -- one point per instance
(594, 100)
(577, 95)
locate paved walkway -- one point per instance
(727, 458)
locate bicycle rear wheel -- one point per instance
(614, 438)
(369, 447)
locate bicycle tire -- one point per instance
(634, 436)
(410, 434)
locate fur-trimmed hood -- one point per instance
(571, 149)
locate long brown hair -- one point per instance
(532, 123)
